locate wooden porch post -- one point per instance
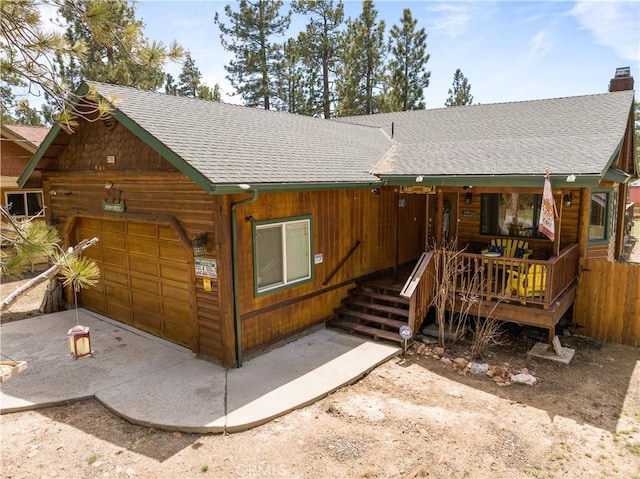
(583, 222)
(556, 242)
(440, 218)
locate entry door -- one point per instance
(145, 278)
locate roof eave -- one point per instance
(232, 188)
(564, 180)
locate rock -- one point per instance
(491, 373)
(438, 351)
(422, 348)
(498, 379)
(501, 371)
(527, 379)
(461, 363)
(477, 368)
(446, 361)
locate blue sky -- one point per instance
(508, 50)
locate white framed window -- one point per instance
(25, 204)
(282, 253)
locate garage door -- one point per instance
(144, 276)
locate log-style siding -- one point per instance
(340, 219)
(469, 215)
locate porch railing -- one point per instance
(419, 289)
(514, 279)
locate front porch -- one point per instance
(529, 292)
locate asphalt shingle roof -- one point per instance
(575, 135)
(231, 144)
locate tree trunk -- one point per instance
(53, 301)
(48, 274)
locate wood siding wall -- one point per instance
(469, 217)
(149, 187)
(608, 301)
(340, 218)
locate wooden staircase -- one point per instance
(373, 309)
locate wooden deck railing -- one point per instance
(527, 281)
(419, 289)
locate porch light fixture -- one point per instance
(568, 200)
(199, 244)
(79, 342)
(419, 179)
(468, 197)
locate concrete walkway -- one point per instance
(153, 382)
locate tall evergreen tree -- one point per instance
(216, 95)
(28, 50)
(249, 35)
(290, 81)
(121, 62)
(409, 76)
(189, 78)
(460, 92)
(362, 67)
(170, 86)
(320, 41)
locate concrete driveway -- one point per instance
(153, 382)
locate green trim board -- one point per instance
(557, 181)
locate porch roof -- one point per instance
(505, 143)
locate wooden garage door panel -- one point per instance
(113, 241)
(174, 272)
(141, 229)
(173, 251)
(145, 277)
(114, 276)
(143, 264)
(143, 283)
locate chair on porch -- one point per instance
(531, 284)
(510, 248)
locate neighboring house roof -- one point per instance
(29, 137)
(577, 136)
(19, 143)
(220, 146)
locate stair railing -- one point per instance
(419, 289)
(344, 260)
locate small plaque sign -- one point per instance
(113, 207)
(406, 332)
(467, 214)
(206, 268)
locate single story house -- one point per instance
(226, 228)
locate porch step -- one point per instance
(380, 308)
(387, 298)
(375, 333)
(370, 318)
(374, 308)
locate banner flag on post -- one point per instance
(547, 220)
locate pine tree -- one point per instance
(108, 60)
(409, 76)
(27, 51)
(361, 72)
(216, 95)
(290, 80)
(249, 37)
(319, 42)
(170, 86)
(460, 92)
(189, 78)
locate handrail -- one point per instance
(344, 260)
(419, 289)
(494, 276)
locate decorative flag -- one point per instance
(547, 222)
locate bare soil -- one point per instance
(414, 416)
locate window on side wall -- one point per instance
(25, 204)
(598, 216)
(510, 214)
(282, 253)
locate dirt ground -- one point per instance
(414, 416)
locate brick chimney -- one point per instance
(622, 80)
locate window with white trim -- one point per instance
(282, 253)
(25, 204)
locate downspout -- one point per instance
(234, 245)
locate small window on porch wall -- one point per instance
(282, 254)
(510, 214)
(598, 216)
